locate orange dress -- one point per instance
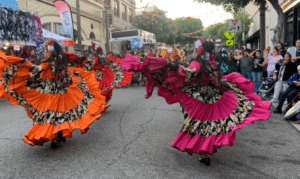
(64, 103)
(110, 75)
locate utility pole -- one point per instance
(106, 6)
(78, 26)
(244, 33)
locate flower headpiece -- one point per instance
(50, 45)
(181, 54)
(199, 46)
(150, 52)
(164, 53)
(96, 47)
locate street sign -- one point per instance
(234, 25)
(228, 35)
(229, 42)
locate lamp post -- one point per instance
(78, 26)
(107, 8)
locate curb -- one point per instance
(297, 126)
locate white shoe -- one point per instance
(286, 102)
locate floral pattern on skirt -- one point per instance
(50, 116)
(118, 73)
(207, 128)
(206, 94)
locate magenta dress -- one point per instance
(211, 114)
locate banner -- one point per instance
(192, 32)
(135, 44)
(66, 17)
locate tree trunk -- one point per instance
(262, 31)
(278, 32)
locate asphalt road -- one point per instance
(133, 140)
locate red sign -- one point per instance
(234, 22)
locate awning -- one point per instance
(253, 37)
(60, 39)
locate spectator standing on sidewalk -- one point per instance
(233, 63)
(291, 92)
(286, 46)
(257, 71)
(281, 50)
(238, 57)
(246, 65)
(285, 70)
(296, 59)
(271, 60)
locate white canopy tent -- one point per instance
(60, 39)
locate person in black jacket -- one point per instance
(291, 92)
(285, 69)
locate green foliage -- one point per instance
(229, 5)
(217, 30)
(165, 29)
(188, 26)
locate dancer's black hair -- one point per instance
(207, 67)
(59, 58)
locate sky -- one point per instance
(209, 14)
(11, 2)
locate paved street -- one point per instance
(133, 140)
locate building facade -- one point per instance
(253, 37)
(291, 9)
(93, 28)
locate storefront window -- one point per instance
(58, 29)
(47, 26)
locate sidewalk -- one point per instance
(273, 107)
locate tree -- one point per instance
(218, 29)
(165, 29)
(215, 30)
(188, 26)
(235, 5)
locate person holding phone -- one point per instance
(286, 68)
(257, 70)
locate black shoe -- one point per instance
(60, 138)
(205, 161)
(277, 111)
(54, 146)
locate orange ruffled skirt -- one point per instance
(52, 110)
